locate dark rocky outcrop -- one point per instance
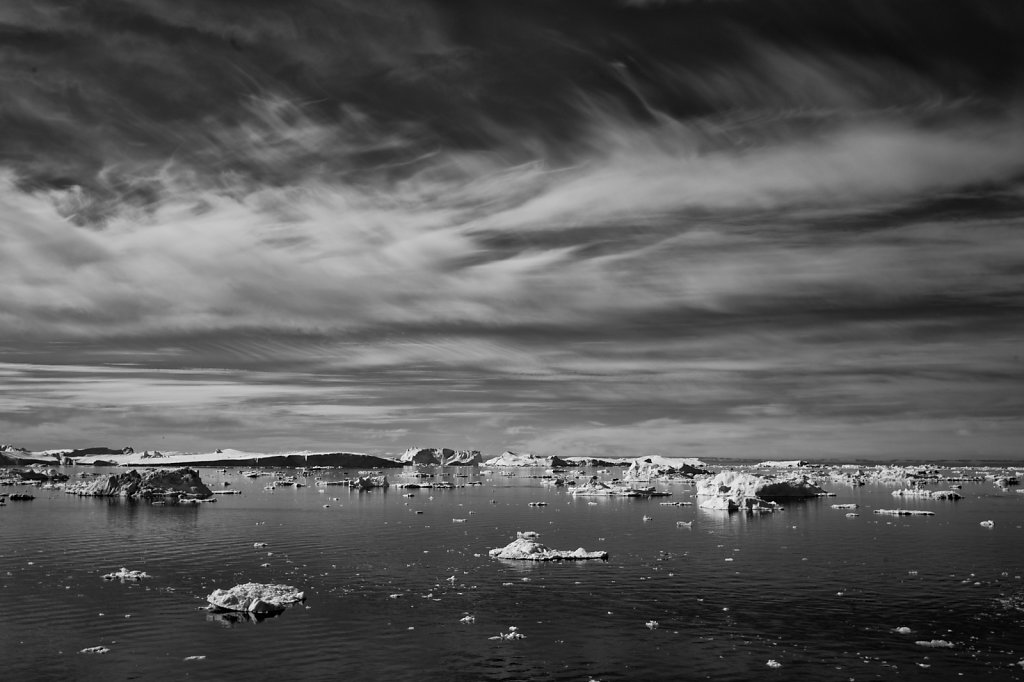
(99, 451)
(234, 458)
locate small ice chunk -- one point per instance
(935, 643)
(125, 574)
(95, 650)
(512, 634)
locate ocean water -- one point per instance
(818, 593)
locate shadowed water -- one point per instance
(817, 591)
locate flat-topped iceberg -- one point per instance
(905, 512)
(257, 598)
(441, 457)
(512, 459)
(527, 548)
(654, 467)
(596, 488)
(928, 494)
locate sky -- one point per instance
(722, 228)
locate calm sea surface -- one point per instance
(816, 591)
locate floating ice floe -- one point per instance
(928, 494)
(845, 506)
(988, 524)
(596, 488)
(935, 643)
(95, 650)
(257, 598)
(905, 512)
(772, 663)
(527, 548)
(125, 574)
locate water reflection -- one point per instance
(230, 619)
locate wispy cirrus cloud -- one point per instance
(343, 222)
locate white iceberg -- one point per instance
(526, 547)
(735, 490)
(257, 598)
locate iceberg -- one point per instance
(655, 467)
(527, 548)
(735, 491)
(596, 488)
(441, 457)
(928, 494)
(182, 482)
(256, 598)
